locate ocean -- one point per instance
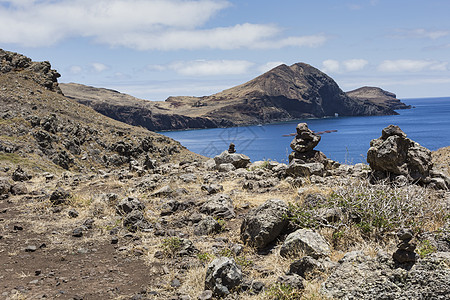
(427, 123)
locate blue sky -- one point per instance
(155, 49)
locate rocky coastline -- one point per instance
(92, 208)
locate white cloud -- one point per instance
(269, 66)
(206, 67)
(75, 69)
(330, 66)
(352, 65)
(406, 65)
(99, 67)
(421, 33)
(138, 24)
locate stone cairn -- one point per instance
(304, 160)
(405, 249)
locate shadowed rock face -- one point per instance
(281, 94)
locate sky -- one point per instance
(153, 49)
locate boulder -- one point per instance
(306, 240)
(220, 206)
(20, 175)
(208, 225)
(5, 187)
(262, 225)
(129, 204)
(212, 188)
(135, 221)
(298, 168)
(393, 155)
(292, 281)
(226, 167)
(222, 276)
(236, 159)
(307, 267)
(59, 196)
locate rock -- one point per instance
(405, 249)
(307, 267)
(60, 196)
(77, 232)
(305, 139)
(129, 204)
(205, 295)
(165, 191)
(5, 187)
(186, 248)
(222, 276)
(19, 189)
(20, 175)
(207, 226)
(298, 168)
(306, 240)
(135, 220)
(226, 167)
(393, 154)
(231, 148)
(262, 225)
(362, 277)
(72, 213)
(293, 281)
(169, 207)
(188, 178)
(212, 188)
(30, 248)
(219, 205)
(236, 159)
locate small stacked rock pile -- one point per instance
(394, 156)
(304, 160)
(229, 160)
(405, 252)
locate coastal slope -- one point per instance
(281, 94)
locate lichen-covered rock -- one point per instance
(222, 276)
(262, 225)
(306, 240)
(219, 205)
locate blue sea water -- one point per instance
(427, 123)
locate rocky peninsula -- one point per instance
(93, 208)
(281, 94)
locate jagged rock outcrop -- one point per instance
(281, 94)
(395, 156)
(40, 72)
(378, 96)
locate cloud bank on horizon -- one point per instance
(205, 45)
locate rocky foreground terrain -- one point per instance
(281, 94)
(91, 208)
